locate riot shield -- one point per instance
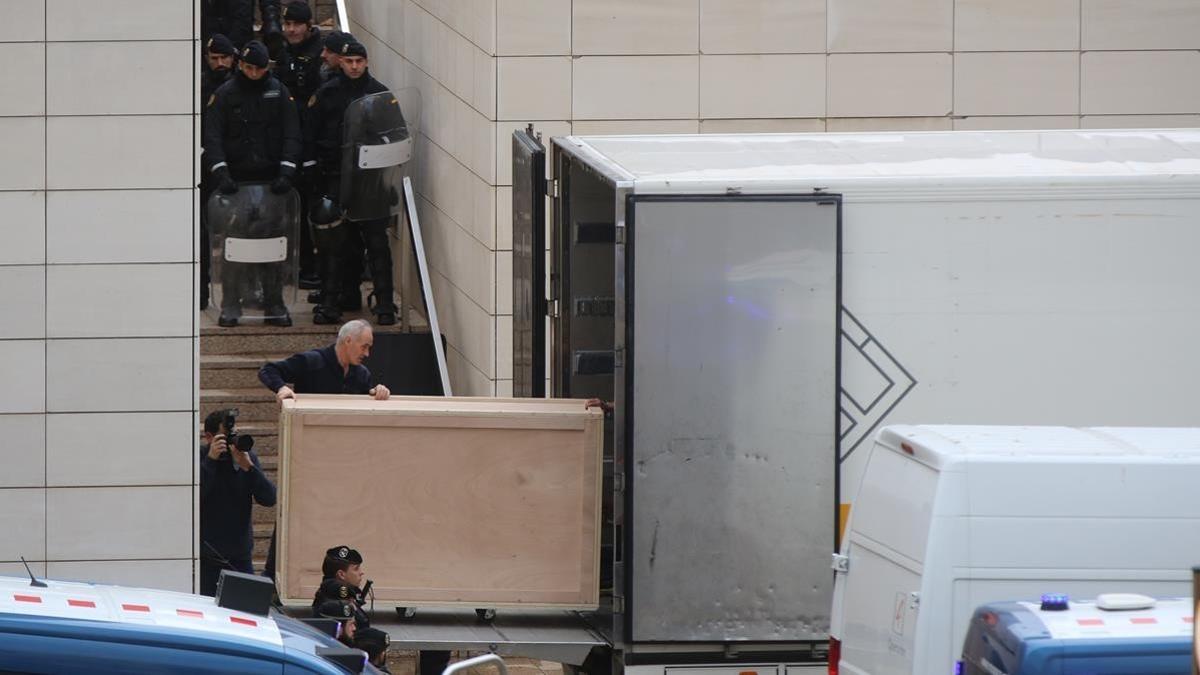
(378, 143)
(255, 246)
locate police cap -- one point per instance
(297, 11)
(354, 48)
(255, 53)
(335, 609)
(334, 40)
(344, 553)
(219, 44)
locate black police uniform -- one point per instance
(332, 590)
(252, 134)
(235, 18)
(210, 80)
(323, 148)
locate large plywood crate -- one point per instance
(480, 502)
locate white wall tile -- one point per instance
(138, 300)
(985, 123)
(886, 85)
(533, 27)
(758, 126)
(106, 523)
(23, 452)
(167, 575)
(468, 327)
(115, 78)
(23, 302)
(844, 125)
(504, 388)
(120, 20)
(93, 152)
(23, 137)
(24, 20)
(24, 228)
(465, 378)
(632, 127)
(23, 522)
(1139, 121)
(504, 132)
(24, 78)
(460, 257)
(128, 226)
(484, 198)
(1145, 24)
(504, 283)
(636, 87)
(483, 94)
(16, 569)
(762, 26)
(890, 26)
(1016, 25)
(504, 235)
(609, 27)
(1140, 82)
(119, 375)
(766, 85)
(23, 387)
(1025, 83)
(504, 347)
(161, 450)
(533, 87)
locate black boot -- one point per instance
(229, 317)
(277, 315)
(325, 315)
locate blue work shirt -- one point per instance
(316, 371)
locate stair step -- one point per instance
(233, 371)
(254, 404)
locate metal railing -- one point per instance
(342, 17)
(477, 661)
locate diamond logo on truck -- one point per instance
(873, 383)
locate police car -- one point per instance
(65, 627)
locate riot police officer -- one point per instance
(235, 19)
(252, 134)
(331, 52)
(299, 68)
(323, 131)
(219, 58)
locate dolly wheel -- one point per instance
(485, 614)
(406, 612)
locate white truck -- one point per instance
(948, 518)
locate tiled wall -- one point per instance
(97, 326)
(486, 67)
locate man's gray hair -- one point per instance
(352, 329)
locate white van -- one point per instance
(948, 518)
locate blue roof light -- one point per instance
(1055, 602)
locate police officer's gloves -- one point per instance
(225, 183)
(281, 185)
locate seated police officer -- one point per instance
(252, 133)
(343, 582)
(231, 480)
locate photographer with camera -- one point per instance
(231, 479)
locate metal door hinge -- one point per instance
(914, 601)
(840, 563)
(619, 236)
(552, 187)
(618, 482)
(618, 358)
(552, 308)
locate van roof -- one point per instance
(763, 163)
(939, 445)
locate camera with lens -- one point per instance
(233, 439)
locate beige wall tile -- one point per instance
(533, 87)
(24, 78)
(1016, 25)
(845, 125)
(23, 521)
(882, 85)
(23, 452)
(94, 300)
(444, 181)
(119, 226)
(119, 375)
(636, 87)
(458, 256)
(168, 575)
(465, 378)
(504, 234)
(108, 523)
(504, 132)
(1139, 121)
(24, 137)
(23, 387)
(1140, 82)
(504, 347)
(533, 27)
(756, 126)
(504, 283)
(633, 127)
(762, 26)
(24, 228)
(754, 85)
(504, 388)
(890, 26)
(23, 302)
(93, 152)
(611, 27)
(164, 453)
(467, 326)
(985, 123)
(1145, 24)
(24, 20)
(120, 20)
(1025, 83)
(118, 78)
